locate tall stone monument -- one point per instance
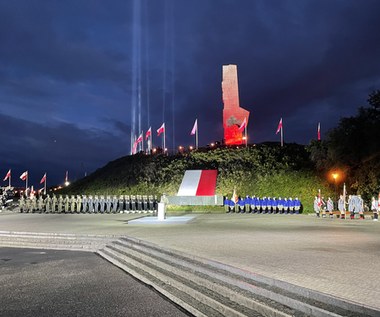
(233, 114)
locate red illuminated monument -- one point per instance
(233, 114)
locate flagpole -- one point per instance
(142, 141)
(164, 138)
(26, 180)
(196, 137)
(282, 137)
(9, 180)
(45, 185)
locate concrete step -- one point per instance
(54, 241)
(227, 290)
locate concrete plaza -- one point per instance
(333, 256)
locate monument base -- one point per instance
(216, 200)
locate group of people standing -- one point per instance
(263, 205)
(354, 205)
(88, 204)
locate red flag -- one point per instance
(195, 127)
(279, 126)
(7, 176)
(319, 131)
(161, 129)
(148, 133)
(234, 197)
(319, 198)
(24, 175)
(43, 179)
(243, 125)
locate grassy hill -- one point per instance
(261, 170)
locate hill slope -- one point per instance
(262, 170)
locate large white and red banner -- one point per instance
(198, 183)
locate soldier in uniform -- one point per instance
(21, 203)
(133, 203)
(351, 207)
(33, 204)
(79, 204)
(84, 204)
(330, 207)
(360, 206)
(374, 208)
(145, 203)
(114, 204)
(291, 205)
(127, 203)
(72, 203)
(285, 204)
(297, 205)
(108, 204)
(341, 207)
(54, 202)
(90, 204)
(60, 203)
(66, 203)
(102, 203)
(120, 204)
(139, 203)
(47, 204)
(40, 204)
(96, 204)
(280, 205)
(316, 206)
(27, 205)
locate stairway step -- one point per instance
(247, 301)
(299, 298)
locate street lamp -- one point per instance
(335, 176)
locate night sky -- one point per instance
(71, 73)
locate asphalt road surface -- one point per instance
(65, 283)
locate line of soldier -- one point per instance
(263, 205)
(89, 204)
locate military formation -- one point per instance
(88, 204)
(263, 205)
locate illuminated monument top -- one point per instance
(233, 114)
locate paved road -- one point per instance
(63, 283)
(333, 256)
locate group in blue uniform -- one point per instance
(264, 205)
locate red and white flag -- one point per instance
(319, 131)
(195, 127)
(43, 179)
(148, 133)
(279, 126)
(7, 176)
(134, 149)
(139, 139)
(243, 125)
(161, 129)
(24, 175)
(198, 183)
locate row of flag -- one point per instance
(194, 131)
(25, 175)
(161, 130)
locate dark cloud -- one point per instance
(66, 70)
